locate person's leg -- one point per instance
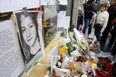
(89, 30)
(111, 41)
(78, 25)
(97, 34)
(112, 37)
(87, 21)
(113, 51)
(106, 32)
(99, 38)
(105, 35)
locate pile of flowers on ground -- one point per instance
(105, 68)
(77, 58)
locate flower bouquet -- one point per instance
(81, 68)
(105, 68)
(81, 42)
(93, 44)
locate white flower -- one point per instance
(84, 75)
(75, 53)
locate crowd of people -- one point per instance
(101, 17)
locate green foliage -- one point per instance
(70, 47)
(71, 28)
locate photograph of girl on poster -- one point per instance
(29, 34)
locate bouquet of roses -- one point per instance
(104, 68)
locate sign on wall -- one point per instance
(13, 5)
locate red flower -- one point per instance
(108, 67)
(95, 42)
(54, 75)
(102, 74)
(105, 68)
(104, 60)
(81, 59)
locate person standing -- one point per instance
(113, 33)
(101, 21)
(80, 19)
(85, 3)
(95, 10)
(112, 16)
(88, 13)
(95, 7)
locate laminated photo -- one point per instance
(30, 34)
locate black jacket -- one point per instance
(88, 11)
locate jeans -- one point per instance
(87, 22)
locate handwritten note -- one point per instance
(61, 14)
(67, 22)
(64, 22)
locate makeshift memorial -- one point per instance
(79, 57)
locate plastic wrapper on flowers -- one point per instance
(93, 44)
(82, 42)
(61, 72)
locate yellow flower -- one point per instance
(63, 50)
(94, 65)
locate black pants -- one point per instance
(90, 28)
(98, 28)
(106, 31)
(113, 52)
(97, 34)
(113, 33)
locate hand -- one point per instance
(101, 34)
